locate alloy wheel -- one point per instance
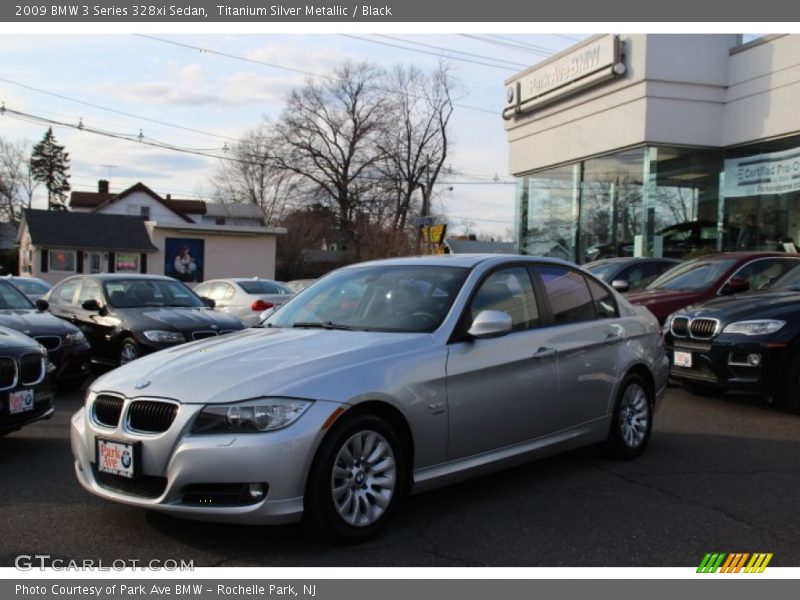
(634, 416)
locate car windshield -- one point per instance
(378, 298)
(696, 274)
(264, 287)
(601, 270)
(139, 293)
(789, 281)
(12, 298)
(31, 286)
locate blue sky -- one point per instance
(222, 97)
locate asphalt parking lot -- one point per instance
(721, 474)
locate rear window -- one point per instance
(263, 287)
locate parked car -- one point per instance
(749, 342)
(33, 287)
(678, 241)
(629, 274)
(715, 275)
(126, 316)
(67, 348)
(26, 385)
(244, 298)
(438, 369)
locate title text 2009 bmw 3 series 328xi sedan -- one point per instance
(381, 379)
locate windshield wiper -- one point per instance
(327, 325)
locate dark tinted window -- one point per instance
(90, 291)
(31, 286)
(139, 293)
(263, 287)
(640, 275)
(604, 304)
(568, 293)
(764, 272)
(509, 291)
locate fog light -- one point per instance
(256, 491)
(753, 360)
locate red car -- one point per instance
(707, 277)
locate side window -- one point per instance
(568, 293)
(604, 304)
(761, 273)
(219, 291)
(509, 291)
(229, 292)
(203, 290)
(90, 291)
(66, 293)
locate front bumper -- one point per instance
(73, 363)
(176, 462)
(43, 398)
(723, 363)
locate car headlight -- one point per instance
(164, 337)
(755, 327)
(253, 416)
(73, 339)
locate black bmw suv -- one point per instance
(746, 342)
(125, 316)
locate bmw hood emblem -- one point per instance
(143, 384)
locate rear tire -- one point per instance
(357, 480)
(632, 420)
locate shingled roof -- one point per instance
(86, 231)
(96, 200)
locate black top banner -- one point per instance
(464, 11)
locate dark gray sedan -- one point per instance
(382, 379)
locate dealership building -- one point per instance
(657, 145)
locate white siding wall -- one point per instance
(130, 205)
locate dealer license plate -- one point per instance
(682, 359)
(116, 458)
(20, 402)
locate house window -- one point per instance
(95, 263)
(144, 211)
(62, 260)
(126, 262)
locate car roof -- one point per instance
(748, 255)
(458, 260)
(119, 276)
(630, 259)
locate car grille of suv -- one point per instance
(680, 326)
(107, 410)
(51, 342)
(31, 369)
(200, 335)
(703, 329)
(149, 416)
(8, 372)
(145, 486)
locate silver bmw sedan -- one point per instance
(382, 379)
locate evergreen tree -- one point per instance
(50, 166)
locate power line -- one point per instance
(451, 50)
(466, 60)
(311, 74)
(517, 47)
(522, 43)
(113, 110)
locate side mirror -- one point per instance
(489, 324)
(42, 305)
(736, 285)
(91, 305)
(209, 302)
(620, 285)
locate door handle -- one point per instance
(613, 338)
(545, 352)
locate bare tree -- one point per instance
(252, 178)
(16, 182)
(328, 135)
(416, 142)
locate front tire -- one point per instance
(129, 351)
(632, 420)
(357, 480)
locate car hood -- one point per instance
(255, 363)
(34, 323)
(181, 319)
(659, 301)
(755, 305)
